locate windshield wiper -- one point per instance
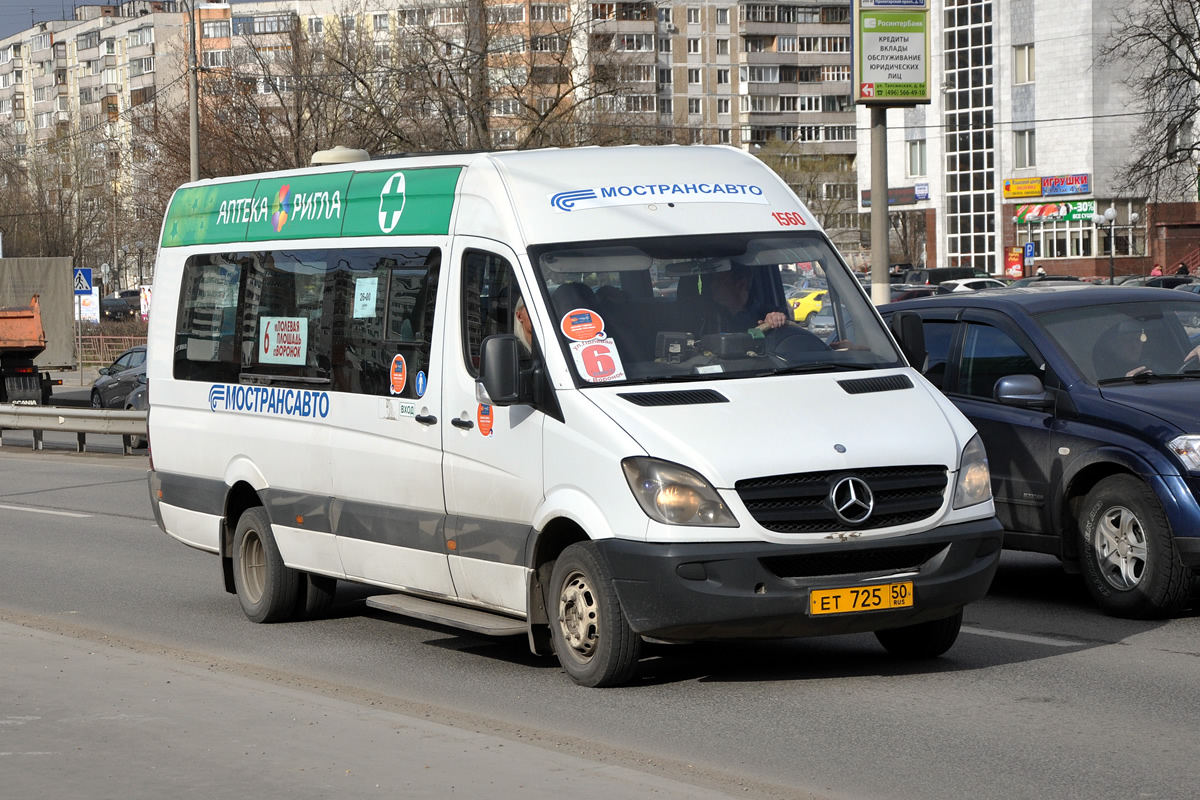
(818, 366)
(1150, 377)
(683, 378)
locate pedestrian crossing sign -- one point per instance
(83, 281)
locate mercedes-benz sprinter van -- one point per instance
(553, 393)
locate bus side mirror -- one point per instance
(910, 333)
(500, 369)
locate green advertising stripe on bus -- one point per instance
(299, 207)
(396, 202)
(393, 202)
(194, 213)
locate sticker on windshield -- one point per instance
(598, 361)
(582, 325)
(399, 373)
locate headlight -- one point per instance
(974, 479)
(675, 495)
(1187, 449)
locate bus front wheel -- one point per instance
(592, 639)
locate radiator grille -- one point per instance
(799, 503)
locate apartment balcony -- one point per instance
(767, 57)
(89, 81)
(141, 81)
(757, 28)
(624, 26)
(43, 81)
(13, 64)
(798, 59)
(840, 148)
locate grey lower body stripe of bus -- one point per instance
(482, 539)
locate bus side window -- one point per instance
(490, 295)
(206, 331)
(384, 307)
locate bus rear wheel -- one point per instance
(265, 587)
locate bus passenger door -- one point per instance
(386, 418)
(493, 456)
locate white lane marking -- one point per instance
(1021, 637)
(45, 511)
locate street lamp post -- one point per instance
(1110, 217)
(141, 247)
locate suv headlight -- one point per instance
(974, 479)
(1187, 449)
(675, 495)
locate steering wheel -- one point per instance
(792, 340)
(1191, 363)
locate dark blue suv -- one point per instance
(1088, 402)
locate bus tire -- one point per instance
(591, 637)
(265, 587)
(923, 640)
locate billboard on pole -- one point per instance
(891, 52)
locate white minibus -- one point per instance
(558, 394)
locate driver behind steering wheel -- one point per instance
(731, 294)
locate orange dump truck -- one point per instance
(21, 341)
(36, 327)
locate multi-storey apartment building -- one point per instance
(71, 92)
(1024, 142)
(771, 77)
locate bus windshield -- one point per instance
(704, 307)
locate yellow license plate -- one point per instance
(861, 598)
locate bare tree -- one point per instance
(824, 181)
(909, 236)
(468, 76)
(1159, 42)
(48, 199)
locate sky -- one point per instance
(15, 15)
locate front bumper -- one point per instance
(695, 591)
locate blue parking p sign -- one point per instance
(1029, 254)
(82, 281)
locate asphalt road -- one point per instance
(1041, 697)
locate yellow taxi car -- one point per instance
(805, 303)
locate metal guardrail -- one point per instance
(81, 421)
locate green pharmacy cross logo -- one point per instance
(391, 203)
